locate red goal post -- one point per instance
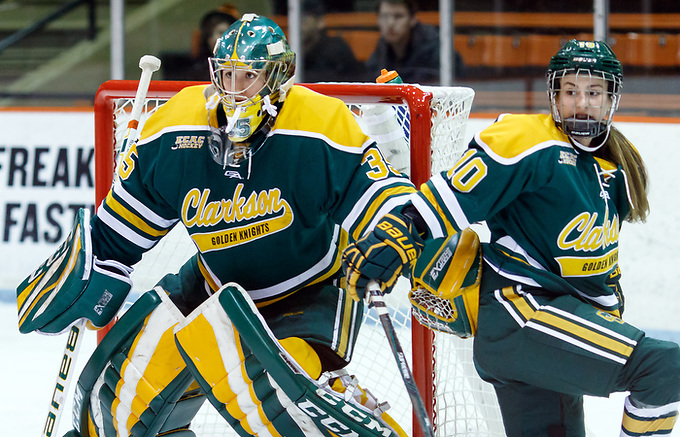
(424, 113)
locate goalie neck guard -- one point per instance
(585, 62)
(251, 69)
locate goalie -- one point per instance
(271, 181)
(554, 190)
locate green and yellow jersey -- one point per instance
(554, 212)
(274, 224)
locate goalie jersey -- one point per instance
(274, 224)
(554, 212)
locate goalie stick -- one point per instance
(149, 64)
(376, 301)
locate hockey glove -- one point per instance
(381, 255)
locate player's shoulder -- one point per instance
(300, 99)
(307, 113)
(513, 136)
(186, 108)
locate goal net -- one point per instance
(421, 130)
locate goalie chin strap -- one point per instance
(237, 341)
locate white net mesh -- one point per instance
(464, 405)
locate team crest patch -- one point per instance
(567, 158)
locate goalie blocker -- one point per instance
(72, 285)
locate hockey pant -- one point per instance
(137, 383)
(544, 353)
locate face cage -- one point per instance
(591, 127)
(232, 98)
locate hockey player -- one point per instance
(554, 190)
(271, 180)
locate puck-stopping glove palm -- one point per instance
(381, 255)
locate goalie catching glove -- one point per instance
(445, 280)
(72, 285)
(381, 255)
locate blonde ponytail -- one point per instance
(619, 150)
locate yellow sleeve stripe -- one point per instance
(376, 204)
(434, 203)
(132, 218)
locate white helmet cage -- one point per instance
(594, 122)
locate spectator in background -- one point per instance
(326, 58)
(280, 7)
(407, 45)
(180, 66)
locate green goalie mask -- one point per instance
(252, 68)
(584, 87)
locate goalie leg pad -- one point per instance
(279, 397)
(233, 379)
(71, 285)
(136, 382)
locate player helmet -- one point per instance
(254, 46)
(593, 60)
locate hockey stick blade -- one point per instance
(376, 301)
(64, 378)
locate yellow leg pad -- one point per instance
(219, 360)
(239, 384)
(151, 364)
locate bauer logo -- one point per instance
(584, 59)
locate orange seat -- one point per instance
(653, 50)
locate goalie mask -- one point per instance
(584, 87)
(252, 69)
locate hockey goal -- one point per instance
(421, 130)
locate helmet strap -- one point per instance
(268, 106)
(231, 121)
(595, 143)
(285, 87)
